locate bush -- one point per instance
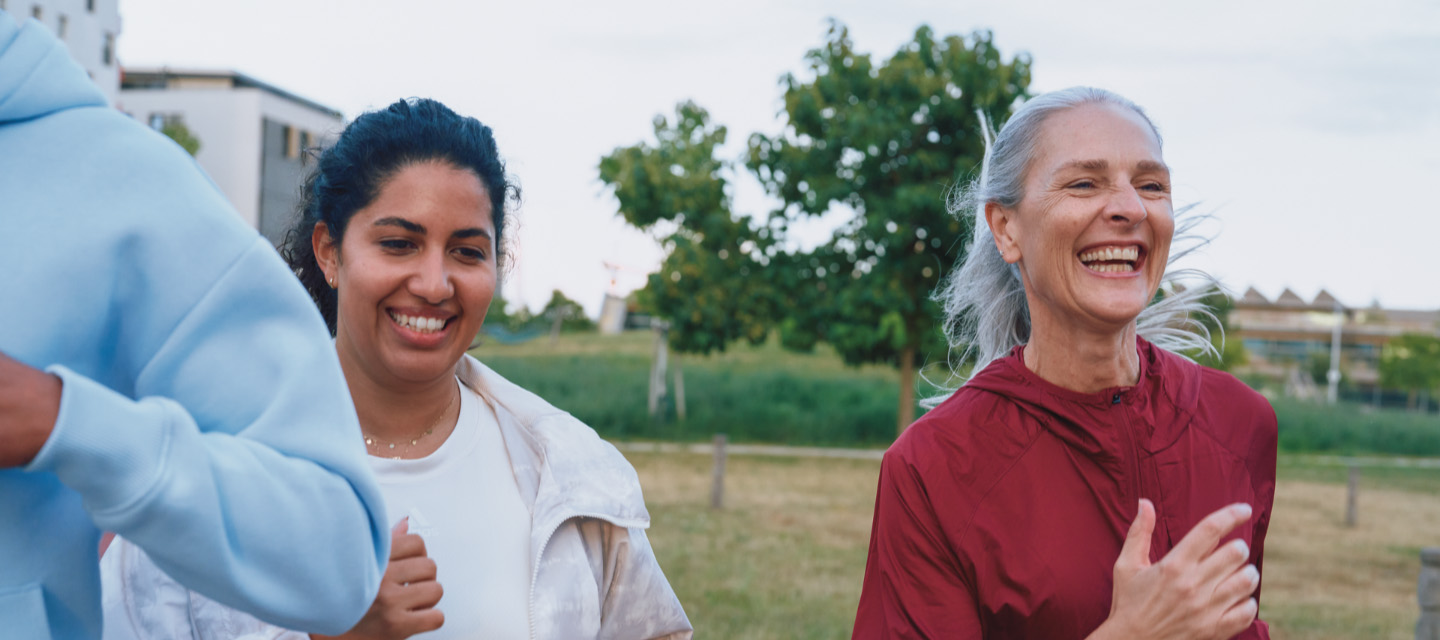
(1351, 429)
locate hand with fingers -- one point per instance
(1200, 590)
(408, 594)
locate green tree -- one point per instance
(711, 285)
(1411, 362)
(571, 314)
(882, 142)
(175, 129)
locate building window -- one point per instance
(292, 141)
(37, 12)
(62, 26)
(107, 52)
(90, 6)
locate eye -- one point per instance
(1158, 187)
(396, 244)
(471, 254)
(1082, 184)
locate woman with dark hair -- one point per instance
(533, 524)
(1086, 481)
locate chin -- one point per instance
(1118, 312)
(422, 367)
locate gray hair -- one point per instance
(986, 314)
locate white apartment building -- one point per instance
(87, 27)
(253, 136)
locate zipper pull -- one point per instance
(1116, 399)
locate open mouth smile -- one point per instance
(420, 324)
(1113, 259)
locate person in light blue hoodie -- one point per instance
(162, 375)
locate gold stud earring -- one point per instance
(331, 282)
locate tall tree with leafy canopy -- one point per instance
(885, 141)
(711, 286)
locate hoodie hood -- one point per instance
(1157, 408)
(37, 75)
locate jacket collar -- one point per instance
(563, 469)
(1157, 407)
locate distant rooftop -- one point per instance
(142, 78)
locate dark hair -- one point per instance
(371, 150)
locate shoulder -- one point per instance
(567, 445)
(133, 174)
(965, 445)
(544, 421)
(971, 420)
(1237, 416)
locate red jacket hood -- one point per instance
(1166, 393)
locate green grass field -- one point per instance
(767, 394)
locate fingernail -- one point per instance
(1242, 510)
(1252, 574)
(1242, 547)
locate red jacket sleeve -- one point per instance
(913, 587)
(1262, 472)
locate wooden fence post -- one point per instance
(1428, 591)
(657, 368)
(679, 391)
(1352, 497)
(717, 486)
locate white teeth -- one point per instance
(1111, 268)
(422, 325)
(1131, 253)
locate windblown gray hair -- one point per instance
(986, 314)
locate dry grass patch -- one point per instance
(785, 558)
(1324, 580)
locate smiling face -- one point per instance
(1092, 234)
(415, 272)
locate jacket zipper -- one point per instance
(1134, 448)
(535, 564)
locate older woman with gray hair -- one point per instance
(1086, 481)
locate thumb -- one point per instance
(402, 527)
(1136, 552)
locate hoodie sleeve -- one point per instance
(912, 588)
(237, 465)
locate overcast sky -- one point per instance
(1311, 130)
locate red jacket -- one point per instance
(1000, 513)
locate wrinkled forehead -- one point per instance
(1094, 134)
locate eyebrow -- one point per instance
(1101, 165)
(472, 232)
(413, 227)
(402, 223)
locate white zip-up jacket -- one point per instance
(593, 574)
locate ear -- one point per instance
(1004, 230)
(327, 252)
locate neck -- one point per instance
(1081, 359)
(395, 414)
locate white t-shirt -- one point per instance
(463, 501)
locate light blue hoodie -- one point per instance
(203, 416)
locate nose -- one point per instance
(1125, 206)
(431, 282)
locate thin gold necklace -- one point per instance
(377, 446)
